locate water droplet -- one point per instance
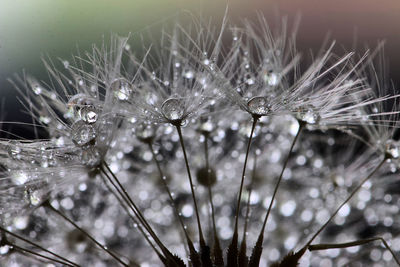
(82, 133)
(78, 102)
(88, 114)
(173, 109)
(91, 156)
(393, 148)
(122, 89)
(206, 126)
(14, 151)
(19, 178)
(308, 116)
(259, 105)
(5, 249)
(37, 89)
(66, 64)
(45, 119)
(34, 196)
(271, 78)
(189, 74)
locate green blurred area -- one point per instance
(28, 29)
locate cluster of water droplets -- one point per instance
(84, 130)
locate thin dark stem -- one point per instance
(124, 206)
(70, 263)
(353, 244)
(347, 200)
(25, 250)
(210, 195)
(255, 119)
(171, 199)
(301, 126)
(124, 195)
(178, 128)
(248, 199)
(48, 205)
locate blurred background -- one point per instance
(31, 29)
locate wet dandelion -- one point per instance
(193, 152)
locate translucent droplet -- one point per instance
(21, 222)
(35, 197)
(189, 74)
(37, 89)
(80, 82)
(206, 126)
(66, 64)
(77, 102)
(308, 116)
(82, 133)
(91, 156)
(88, 114)
(173, 109)
(5, 249)
(259, 105)
(19, 178)
(14, 151)
(45, 119)
(271, 78)
(393, 148)
(122, 89)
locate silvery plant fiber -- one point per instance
(203, 146)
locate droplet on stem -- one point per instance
(259, 105)
(82, 133)
(393, 148)
(122, 89)
(308, 116)
(173, 109)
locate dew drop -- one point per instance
(121, 88)
(91, 156)
(45, 119)
(308, 116)
(82, 133)
(393, 148)
(37, 89)
(88, 114)
(66, 64)
(14, 151)
(206, 126)
(189, 74)
(259, 105)
(173, 109)
(19, 178)
(271, 78)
